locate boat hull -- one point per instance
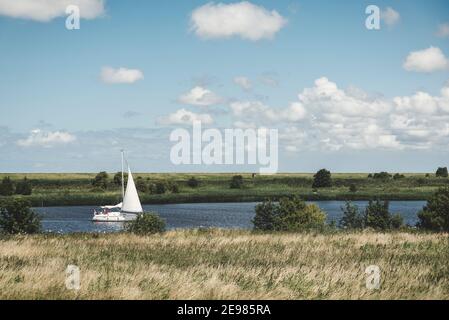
(114, 217)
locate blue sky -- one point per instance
(51, 81)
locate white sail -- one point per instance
(131, 201)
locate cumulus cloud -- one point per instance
(427, 60)
(330, 118)
(200, 96)
(443, 30)
(46, 10)
(185, 117)
(39, 138)
(121, 75)
(242, 19)
(390, 16)
(243, 82)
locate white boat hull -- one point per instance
(113, 217)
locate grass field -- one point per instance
(57, 189)
(219, 264)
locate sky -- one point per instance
(342, 96)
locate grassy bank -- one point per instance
(76, 189)
(218, 264)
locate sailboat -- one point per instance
(126, 210)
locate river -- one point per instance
(197, 215)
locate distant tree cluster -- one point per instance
(8, 188)
(236, 182)
(442, 172)
(193, 182)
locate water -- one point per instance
(222, 215)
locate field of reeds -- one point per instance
(76, 188)
(226, 264)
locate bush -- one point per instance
(101, 180)
(173, 187)
(160, 188)
(398, 176)
(193, 183)
(236, 182)
(352, 219)
(145, 224)
(16, 217)
(382, 175)
(290, 214)
(6, 187)
(24, 187)
(435, 214)
(377, 216)
(352, 187)
(442, 172)
(322, 179)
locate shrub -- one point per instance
(352, 187)
(352, 218)
(398, 176)
(16, 217)
(322, 179)
(145, 224)
(24, 187)
(236, 182)
(290, 214)
(435, 214)
(442, 172)
(6, 187)
(382, 175)
(377, 216)
(193, 183)
(101, 180)
(173, 187)
(160, 188)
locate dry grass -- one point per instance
(219, 264)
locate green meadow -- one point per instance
(60, 189)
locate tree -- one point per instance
(159, 188)
(16, 217)
(193, 183)
(378, 216)
(442, 172)
(236, 182)
(382, 175)
(435, 214)
(6, 187)
(101, 180)
(290, 214)
(322, 179)
(24, 187)
(146, 224)
(398, 176)
(352, 218)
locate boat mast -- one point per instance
(123, 180)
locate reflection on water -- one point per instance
(221, 215)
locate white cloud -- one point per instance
(200, 96)
(242, 19)
(243, 82)
(39, 138)
(443, 30)
(46, 10)
(185, 117)
(120, 75)
(390, 16)
(427, 60)
(261, 113)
